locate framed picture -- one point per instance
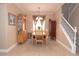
(11, 18)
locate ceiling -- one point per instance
(33, 7)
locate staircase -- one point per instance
(70, 33)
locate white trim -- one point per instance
(9, 49)
(70, 50)
(69, 40)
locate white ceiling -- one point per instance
(44, 7)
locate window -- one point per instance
(39, 23)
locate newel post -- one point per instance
(74, 46)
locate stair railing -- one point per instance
(71, 33)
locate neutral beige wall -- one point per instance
(7, 32)
(60, 35)
(3, 19)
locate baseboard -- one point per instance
(9, 49)
(70, 50)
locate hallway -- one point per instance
(28, 49)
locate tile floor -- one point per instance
(28, 49)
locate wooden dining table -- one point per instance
(39, 37)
